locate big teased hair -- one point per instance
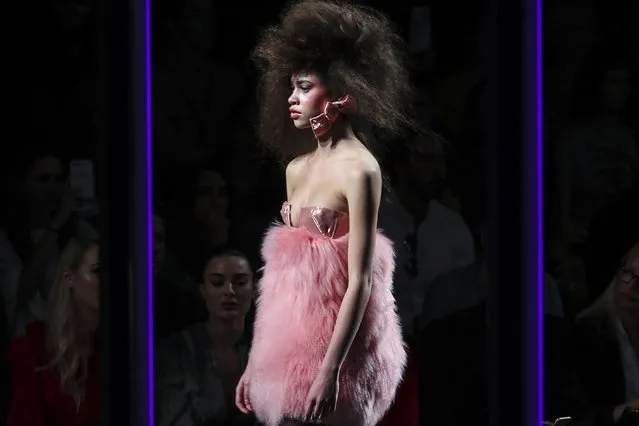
(354, 50)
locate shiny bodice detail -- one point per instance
(328, 222)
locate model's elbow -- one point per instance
(360, 283)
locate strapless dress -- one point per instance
(300, 293)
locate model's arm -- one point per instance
(363, 193)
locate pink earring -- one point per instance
(321, 123)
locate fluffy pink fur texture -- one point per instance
(300, 294)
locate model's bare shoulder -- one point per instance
(293, 169)
(361, 173)
(360, 163)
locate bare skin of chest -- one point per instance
(319, 181)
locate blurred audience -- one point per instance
(199, 368)
(190, 81)
(607, 343)
(201, 217)
(613, 229)
(430, 238)
(40, 220)
(598, 155)
(256, 182)
(55, 367)
(465, 287)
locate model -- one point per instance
(327, 342)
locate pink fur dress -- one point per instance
(300, 294)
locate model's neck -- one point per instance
(339, 131)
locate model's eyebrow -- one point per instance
(298, 80)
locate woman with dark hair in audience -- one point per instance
(607, 345)
(55, 367)
(199, 368)
(327, 344)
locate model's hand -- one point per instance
(322, 397)
(242, 394)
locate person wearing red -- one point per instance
(55, 366)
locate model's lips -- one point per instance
(295, 115)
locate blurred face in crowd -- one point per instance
(72, 15)
(85, 281)
(426, 166)
(159, 243)
(572, 29)
(211, 205)
(44, 184)
(615, 89)
(626, 295)
(198, 23)
(308, 98)
(211, 195)
(228, 287)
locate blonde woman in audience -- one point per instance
(55, 366)
(607, 337)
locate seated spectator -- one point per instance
(613, 229)
(199, 368)
(453, 346)
(466, 287)
(569, 272)
(55, 366)
(607, 341)
(40, 221)
(597, 157)
(430, 239)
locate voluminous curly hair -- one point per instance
(354, 50)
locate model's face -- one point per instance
(308, 98)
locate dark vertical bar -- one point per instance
(506, 218)
(115, 189)
(141, 268)
(533, 201)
